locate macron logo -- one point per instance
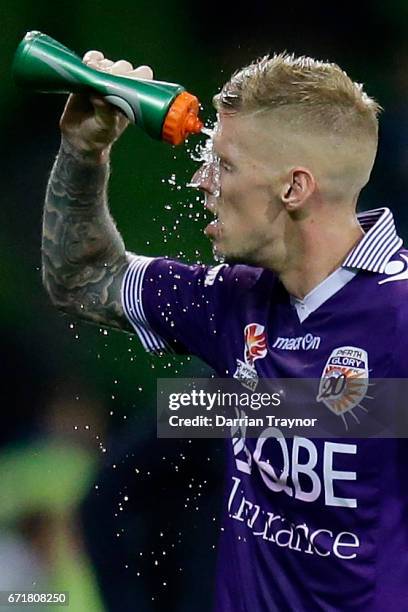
(396, 270)
(301, 343)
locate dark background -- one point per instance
(71, 383)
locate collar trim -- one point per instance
(379, 244)
(322, 292)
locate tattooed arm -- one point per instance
(84, 258)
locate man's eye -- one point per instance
(225, 166)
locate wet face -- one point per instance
(241, 189)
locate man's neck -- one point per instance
(318, 253)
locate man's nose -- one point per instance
(206, 178)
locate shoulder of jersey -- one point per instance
(391, 293)
(241, 276)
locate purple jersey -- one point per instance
(308, 524)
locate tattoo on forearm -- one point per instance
(84, 257)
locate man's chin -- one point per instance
(238, 259)
(217, 253)
(224, 255)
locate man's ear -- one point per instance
(298, 188)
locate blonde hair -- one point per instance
(320, 94)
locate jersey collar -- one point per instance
(372, 253)
(322, 292)
(379, 243)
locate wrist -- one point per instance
(80, 174)
(90, 156)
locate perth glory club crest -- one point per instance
(344, 381)
(255, 348)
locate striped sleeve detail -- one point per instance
(132, 301)
(379, 244)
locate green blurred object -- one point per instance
(43, 475)
(51, 478)
(163, 110)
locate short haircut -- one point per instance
(318, 95)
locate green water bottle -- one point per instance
(164, 110)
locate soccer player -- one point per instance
(310, 289)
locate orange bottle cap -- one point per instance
(182, 119)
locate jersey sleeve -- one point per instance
(175, 307)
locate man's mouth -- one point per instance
(213, 229)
